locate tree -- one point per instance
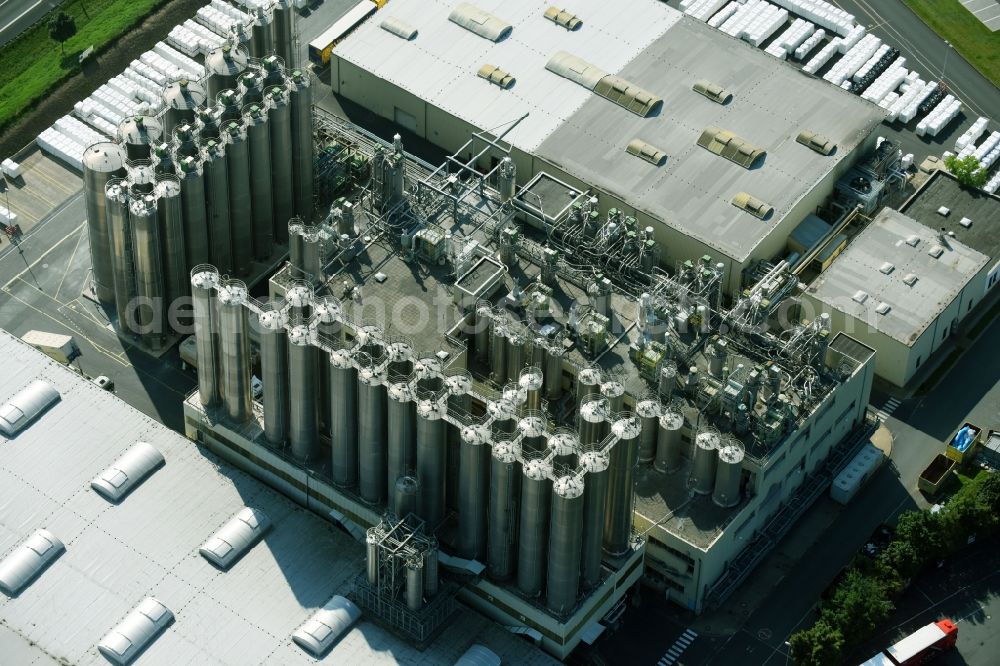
(857, 606)
(989, 493)
(62, 27)
(966, 170)
(819, 645)
(921, 530)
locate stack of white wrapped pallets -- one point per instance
(853, 60)
(241, 18)
(821, 13)
(148, 90)
(724, 14)
(905, 108)
(822, 57)
(872, 62)
(972, 134)
(217, 21)
(208, 39)
(67, 139)
(850, 40)
(988, 151)
(132, 90)
(942, 114)
(255, 4)
(190, 68)
(889, 100)
(147, 72)
(887, 81)
(184, 40)
(764, 23)
(806, 47)
(791, 39)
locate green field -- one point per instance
(33, 63)
(966, 33)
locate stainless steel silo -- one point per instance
(621, 491)
(229, 106)
(371, 556)
(162, 157)
(668, 380)
(401, 431)
(101, 163)
(516, 359)
(326, 322)
(371, 434)
(185, 141)
(404, 499)
(728, 475)
(427, 373)
(415, 584)
(533, 532)
(531, 381)
(303, 425)
(223, 65)
(504, 415)
(595, 496)
(234, 350)
(141, 177)
(614, 391)
(274, 371)
(208, 123)
(593, 420)
(553, 372)
(137, 134)
(431, 569)
(251, 87)
(706, 457)
(204, 282)
(295, 249)
(300, 300)
(588, 381)
(431, 451)
(311, 254)
(498, 351)
(170, 218)
(343, 418)
(481, 346)
(193, 212)
(458, 383)
(668, 441)
(648, 410)
(261, 201)
(280, 127)
(564, 445)
(180, 99)
(217, 205)
(473, 487)
(149, 309)
(565, 545)
(238, 168)
(262, 34)
(120, 235)
(533, 433)
(300, 100)
(284, 31)
(505, 495)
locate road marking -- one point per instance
(675, 651)
(43, 255)
(69, 264)
(20, 16)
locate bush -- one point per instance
(857, 606)
(966, 170)
(819, 645)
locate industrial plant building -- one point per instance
(903, 288)
(665, 118)
(104, 508)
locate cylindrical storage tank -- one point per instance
(553, 372)
(141, 178)
(229, 105)
(504, 415)
(223, 65)
(274, 372)
(208, 124)
(401, 431)
(217, 205)
(311, 254)
(170, 219)
(565, 547)
(668, 441)
(295, 249)
(621, 495)
(533, 433)
(614, 391)
(193, 211)
(595, 497)
(648, 410)
(326, 324)
(262, 35)
(427, 371)
(498, 351)
(343, 419)
(273, 69)
(516, 342)
(162, 158)
(300, 300)
(101, 163)
(251, 86)
(564, 445)
(204, 281)
(404, 498)
(120, 235)
(261, 202)
(234, 350)
(371, 558)
(280, 126)
(303, 425)
(706, 457)
(431, 570)
(459, 386)
(588, 381)
(149, 312)
(180, 99)
(371, 435)
(185, 140)
(593, 420)
(481, 348)
(473, 486)
(284, 32)
(668, 381)
(415, 584)
(728, 475)
(531, 381)
(137, 134)
(505, 494)
(533, 533)
(300, 99)
(238, 166)
(431, 451)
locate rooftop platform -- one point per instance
(982, 209)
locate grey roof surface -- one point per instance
(983, 209)
(116, 555)
(913, 308)
(652, 46)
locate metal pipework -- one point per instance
(303, 424)
(473, 484)
(533, 534)
(668, 442)
(565, 527)
(234, 348)
(371, 433)
(274, 371)
(505, 494)
(343, 418)
(431, 451)
(204, 280)
(102, 162)
(595, 464)
(621, 496)
(648, 410)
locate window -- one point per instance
(918, 363)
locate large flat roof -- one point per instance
(652, 46)
(147, 545)
(982, 209)
(879, 261)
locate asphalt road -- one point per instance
(17, 15)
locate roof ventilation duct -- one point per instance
(495, 75)
(728, 145)
(563, 18)
(752, 205)
(620, 91)
(482, 23)
(401, 29)
(575, 69)
(646, 151)
(714, 92)
(817, 142)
